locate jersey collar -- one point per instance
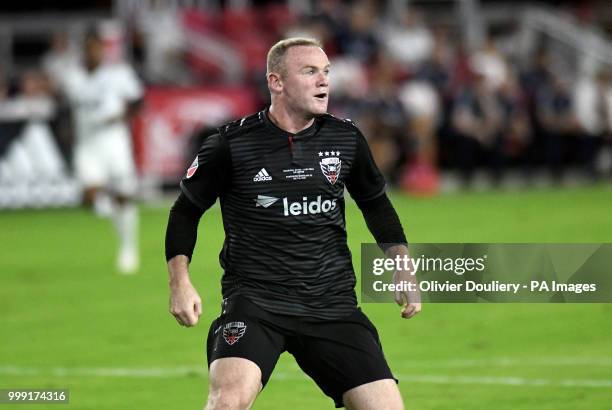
(307, 132)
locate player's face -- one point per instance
(306, 80)
(94, 51)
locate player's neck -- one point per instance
(287, 120)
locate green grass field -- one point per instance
(69, 321)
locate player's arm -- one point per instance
(133, 92)
(367, 186)
(113, 109)
(181, 235)
(384, 224)
(206, 180)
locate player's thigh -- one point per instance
(89, 166)
(340, 355)
(377, 395)
(234, 382)
(119, 161)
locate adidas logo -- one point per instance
(262, 175)
(265, 201)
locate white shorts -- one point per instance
(106, 161)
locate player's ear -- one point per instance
(275, 83)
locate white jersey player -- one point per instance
(102, 97)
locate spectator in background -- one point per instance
(409, 40)
(164, 40)
(351, 87)
(605, 157)
(438, 68)
(357, 39)
(329, 17)
(477, 121)
(3, 87)
(591, 100)
(427, 97)
(489, 117)
(491, 64)
(103, 96)
(385, 119)
(604, 86)
(62, 56)
(421, 103)
(556, 121)
(31, 102)
(28, 152)
(516, 127)
(536, 82)
(538, 75)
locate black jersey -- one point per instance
(282, 201)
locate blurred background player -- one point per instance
(103, 96)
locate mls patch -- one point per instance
(192, 168)
(233, 331)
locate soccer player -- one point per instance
(103, 96)
(288, 282)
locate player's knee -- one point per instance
(229, 398)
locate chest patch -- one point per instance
(331, 165)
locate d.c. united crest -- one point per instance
(330, 165)
(233, 331)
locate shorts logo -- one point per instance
(192, 168)
(330, 165)
(233, 331)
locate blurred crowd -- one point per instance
(424, 100)
(427, 102)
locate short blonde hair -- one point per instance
(276, 55)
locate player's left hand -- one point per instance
(410, 301)
(410, 309)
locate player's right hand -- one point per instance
(185, 304)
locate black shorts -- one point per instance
(337, 354)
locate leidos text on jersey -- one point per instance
(313, 207)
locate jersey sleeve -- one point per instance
(209, 175)
(365, 182)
